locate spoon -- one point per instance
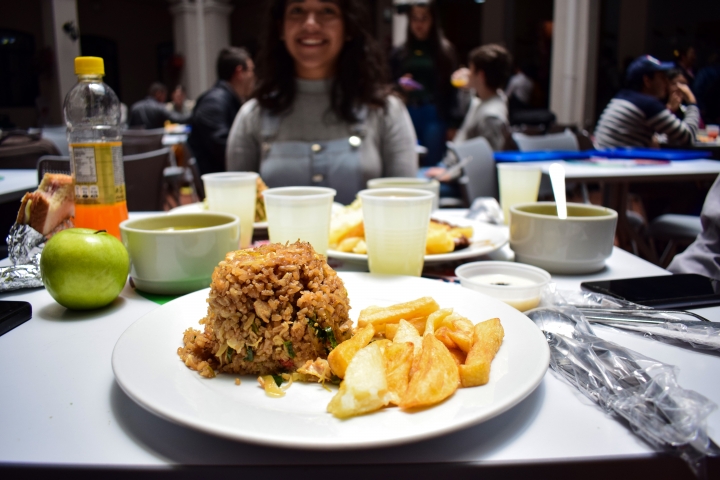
(557, 178)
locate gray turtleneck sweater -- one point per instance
(388, 149)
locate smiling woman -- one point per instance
(322, 112)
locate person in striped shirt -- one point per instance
(638, 112)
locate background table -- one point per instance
(61, 409)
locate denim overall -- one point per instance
(332, 163)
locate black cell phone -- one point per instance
(13, 314)
(672, 292)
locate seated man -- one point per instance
(151, 112)
(637, 113)
(488, 113)
(215, 110)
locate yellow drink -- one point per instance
(235, 193)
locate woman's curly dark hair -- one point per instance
(360, 77)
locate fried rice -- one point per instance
(270, 310)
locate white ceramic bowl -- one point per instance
(579, 244)
(176, 254)
(516, 284)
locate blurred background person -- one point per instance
(707, 90)
(519, 89)
(685, 59)
(179, 102)
(322, 112)
(490, 68)
(215, 110)
(676, 83)
(637, 113)
(422, 68)
(150, 112)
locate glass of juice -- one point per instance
(235, 193)
(300, 213)
(396, 224)
(519, 183)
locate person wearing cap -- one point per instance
(638, 112)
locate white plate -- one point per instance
(486, 238)
(148, 369)
(202, 207)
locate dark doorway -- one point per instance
(95, 46)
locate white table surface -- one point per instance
(60, 404)
(14, 183)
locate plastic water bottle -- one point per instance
(92, 115)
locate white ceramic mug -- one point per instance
(579, 244)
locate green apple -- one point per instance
(83, 268)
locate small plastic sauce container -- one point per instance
(516, 284)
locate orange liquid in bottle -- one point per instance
(101, 217)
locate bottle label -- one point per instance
(97, 170)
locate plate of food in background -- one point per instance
(450, 237)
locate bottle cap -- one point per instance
(89, 66)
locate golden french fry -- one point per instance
(438, 241)
(365, 386)
(365, 312)
(462, 339)
(443, 334)
(435, 319)
(458, 355)
(348, 244)
(391, 328)
(406, 332)
(436, 377)
(360, 247)
(421, 307)
(487, 338)
(342, 355)
(398, 360)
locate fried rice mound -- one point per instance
(270, 310)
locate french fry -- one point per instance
(436, 377)
(443, 334)
(406, 332)
(438, 241)
(342, 355)
(398, 360)
(365, 387)
(365, 312)
(360, 247)
(422, 307)
(458, 355)
(487, 338)
(391, 328)
(435, 319)
(348, 244)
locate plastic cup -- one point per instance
(430, 185)
(300, 213)
(519, 183)
(396, 224)
(236, 193)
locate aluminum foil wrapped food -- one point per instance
(42, 213)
